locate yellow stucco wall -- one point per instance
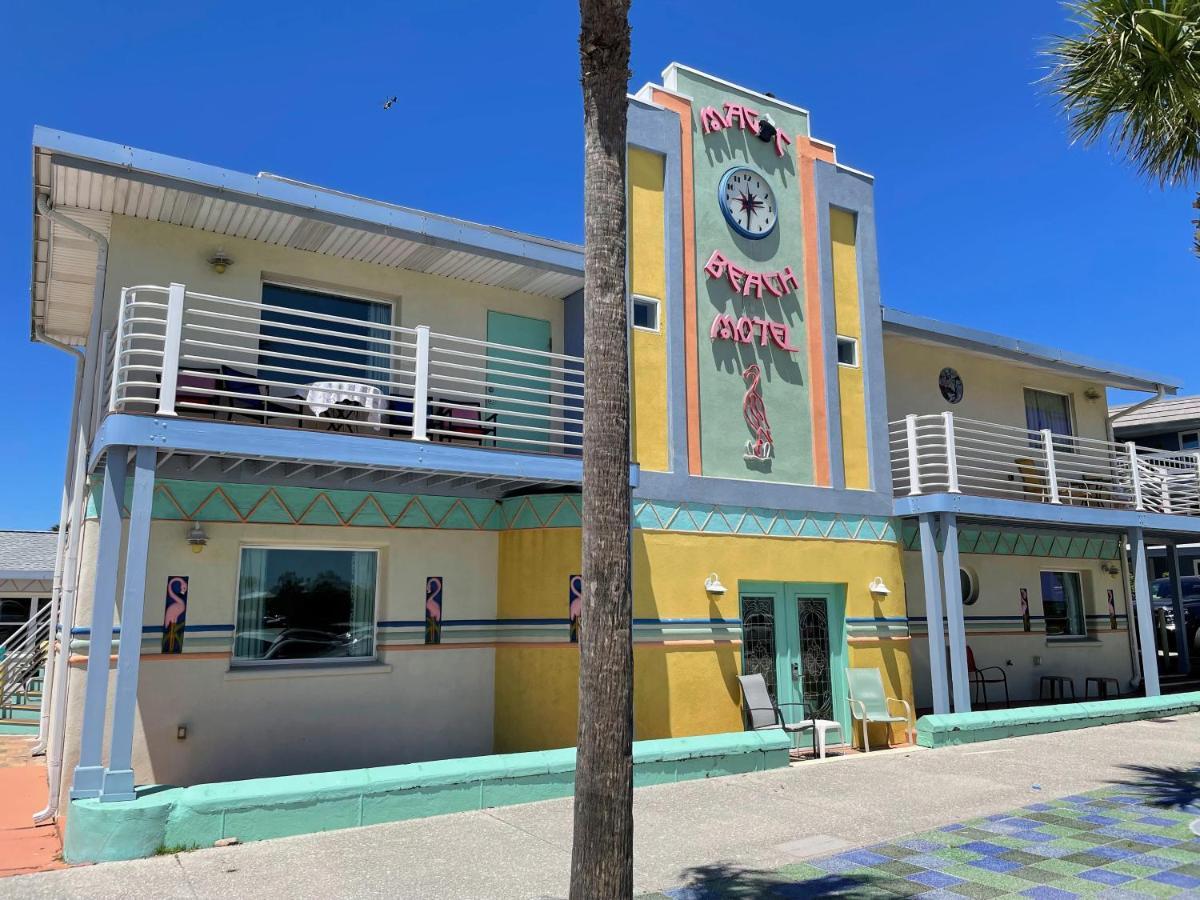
(648, 278)
(680, 688)
(848, 316)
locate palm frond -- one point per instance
(1132, 77)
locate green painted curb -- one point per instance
(175, 818)
(950, 729)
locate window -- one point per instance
(1189, 440)
(1062, 604)
(305, 604)
(645, 313)
(1043, 410)
(354, 352)
(969, 586)
(847, 351)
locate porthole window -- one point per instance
(969, 584)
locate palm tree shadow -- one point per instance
(1167, 787)
(725, 881)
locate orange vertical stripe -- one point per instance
(808, 152)
(691, 352)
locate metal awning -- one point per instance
(91, 180)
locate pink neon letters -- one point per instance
(711, 119)
(743, 281)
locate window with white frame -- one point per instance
(1047, 410)
(305, 604)
(847, 351)
(644, 313)
(1063, 605)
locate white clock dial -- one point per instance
(748, 202)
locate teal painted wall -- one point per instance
(723, 432)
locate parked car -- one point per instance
(1162, 598)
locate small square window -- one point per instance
(645, 313)
(1189, 440)
(847, 351)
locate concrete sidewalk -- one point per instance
(759, 821)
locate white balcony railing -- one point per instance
(179, 352)
(947, 453)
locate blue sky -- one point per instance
(986, 215)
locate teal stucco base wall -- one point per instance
(966, 728)
(174, 818)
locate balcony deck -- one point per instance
(244, 380)
(943, 462)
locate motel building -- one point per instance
(325, 458)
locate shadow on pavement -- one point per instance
(1167, 787)
(725, 881)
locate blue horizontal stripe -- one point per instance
(158, 629)
(858, 620)
(687, 621)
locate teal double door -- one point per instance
(794, 635)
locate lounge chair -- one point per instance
(868, 704)
(762, 713)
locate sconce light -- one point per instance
(878, 587)
(220, 261)
(196, 537)
(1110, 569)
(1091, 394)
(713, 585)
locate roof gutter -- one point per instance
(1162, 392)
(51, 729)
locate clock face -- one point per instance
(748, 203)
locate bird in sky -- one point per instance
(387, 104)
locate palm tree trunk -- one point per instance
(602, 851)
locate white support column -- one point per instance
(171, 341)
(955, 625)
(934, 614)
(1145, 621)
(951, 454)
(118, 779)
(420, 412)
(1051, 468)
(1183, 659)
(89, 772)
(914, 457)
(1135, 478)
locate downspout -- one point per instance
(56, 738)
(1161, 392)
(64, 527)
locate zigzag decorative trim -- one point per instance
(204, 501)
(31, 586)
(1002, 542)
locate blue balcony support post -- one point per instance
(1182, 644)
(118, 779)
(934, 614)
(955, 624)
(89, 771)
(1145, 619)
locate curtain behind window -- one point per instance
(252, 605)
(362, 608)
(1046, 410)
(353, 352)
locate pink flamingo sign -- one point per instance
(762, 445)
(433, 609)
(175, 614)
(575, 604)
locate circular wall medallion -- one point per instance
(747, 202)
(950, 384)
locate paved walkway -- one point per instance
(24, 848)
(742, 828)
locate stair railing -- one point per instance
(24, 654)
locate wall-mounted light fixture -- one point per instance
(197, 537)
(1091, 394)
(713, 585)
(878, 587)
(1110, 568)
(220, 261)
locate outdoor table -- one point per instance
(335, 396)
